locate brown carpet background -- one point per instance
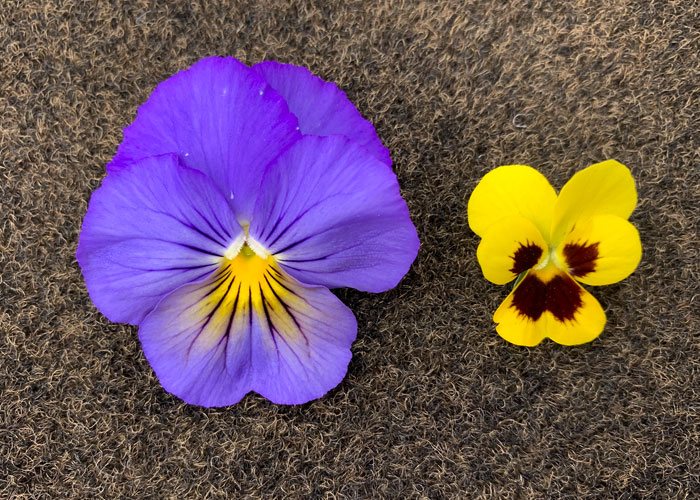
(435, 404)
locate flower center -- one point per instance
(249, 287)
(248, 267)
(550, 258)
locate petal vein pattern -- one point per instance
(249, 327)
(332, 215)
(150, 228)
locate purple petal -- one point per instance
(221, 118)
(150, 228)
(333, 215)
(302, 350)
(211, 342)
(321, 107)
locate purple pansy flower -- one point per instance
(237, 198)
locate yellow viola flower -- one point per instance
(553, 243)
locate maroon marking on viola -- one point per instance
(581, 257)
(561, 296)
(525, 257)
(530, 297)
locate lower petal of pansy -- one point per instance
(150, 228)
(249, 327)
(510, 247)
(549, 303)
(331, 214)
(303, 347)
(601, 251)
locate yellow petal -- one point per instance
(603, 188)
(549, 303)
(509, 247)
(603, 250)
(511, 190)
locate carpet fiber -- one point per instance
(435, 404)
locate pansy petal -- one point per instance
(198, 341)
(150, 228)
(221, 118)
(302, 349)
(249, 327)
(511, 190)
(332, 215)
(549, 304)
(603, 188)
(511, 246)
(602, 250)
(321, 107)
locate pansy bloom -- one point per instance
(237, 198)
(551, 243)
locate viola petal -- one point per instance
(512, 190)
(249, 327)
(603, 250)
(321, 107)
(549, 304)
(221, 118)
(198, 341)
(150, 228)
(302, 349)
(603, 188)
(509, 247)
(331, 214)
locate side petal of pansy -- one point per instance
(510, 247)
(221, 118)
(249, 327)
(331, 214)
(321, 107)
(603, 250)
(604, 188)
(511, 190)
(150, 228)
(549, 304)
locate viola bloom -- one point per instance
(237, 198)
(553, 243)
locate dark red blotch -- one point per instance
(525, 257)
(561, 296)
(580, 257)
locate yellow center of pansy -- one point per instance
(249, 288)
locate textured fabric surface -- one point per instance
(435, 404)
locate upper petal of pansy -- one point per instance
(221, 118)
(150, 228)
(331, 214)
(512, 190)
(511, 246)
(321, 107)
(603, 188)
(249, 327)
(549, 303)
(602, 250)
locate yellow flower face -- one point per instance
(553, 242)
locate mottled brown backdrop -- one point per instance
(435, 404)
